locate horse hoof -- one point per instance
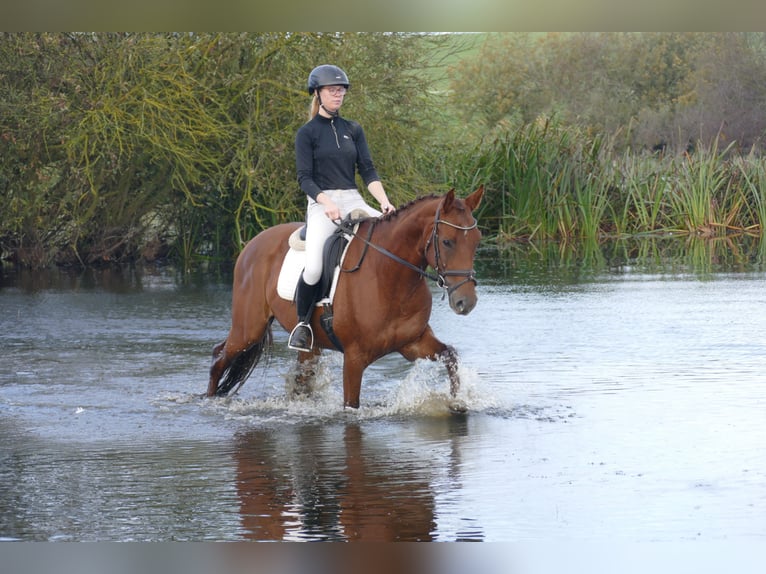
(457, 407)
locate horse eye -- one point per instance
(448, 243)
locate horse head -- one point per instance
(452, 247)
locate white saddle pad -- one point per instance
(291, 270)
(295, 261)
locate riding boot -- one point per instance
(302, 337)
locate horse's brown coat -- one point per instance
(382, 307)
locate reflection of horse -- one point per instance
(381, 304)
(327, 483)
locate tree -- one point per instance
(111, 142)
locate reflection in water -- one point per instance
(282, 484)
(328, 483)
(379, 505)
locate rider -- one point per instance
(329, 150)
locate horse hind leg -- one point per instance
(218, 348)
(232, 367)
(305, 373)
(219, 365)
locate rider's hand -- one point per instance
(332, 211)
(386, 207)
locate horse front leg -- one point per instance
(427, 346)
(353, 368)
(449, 357)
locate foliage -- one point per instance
(116, 143)
(120, 147)
(663, 89)
(547, 180)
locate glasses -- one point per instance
(336, 90)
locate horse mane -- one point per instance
(390, 215)
(386, 217)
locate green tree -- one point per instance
(729, 87)
(501, 83)
(658, 88)
(115, 142)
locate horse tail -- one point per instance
(243, 364)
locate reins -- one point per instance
(440, 278)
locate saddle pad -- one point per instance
(291, 270)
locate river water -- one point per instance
(611, 397)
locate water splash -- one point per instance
(422, 390)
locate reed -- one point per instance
(550, 181)
(702, 193)
(595, 179)
(644, 206)
(752, 174)
(553, 181)
(522, 157)
(559, 263)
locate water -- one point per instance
(619, 402)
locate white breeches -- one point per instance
(319, 227)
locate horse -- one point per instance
(382, 302)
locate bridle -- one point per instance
(442, 274)
(440, 278)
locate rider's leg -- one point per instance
(352, 200)
(302, 337)
(318, 229)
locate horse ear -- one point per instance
(448, 199)
(473, 200)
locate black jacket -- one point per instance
(329, 152)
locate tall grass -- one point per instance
(550, 181)
(752, 171)
(702, 193)
(573, 261)
(595, 180)
(644, 184)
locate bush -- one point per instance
(114, 142)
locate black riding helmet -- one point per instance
(326, 75)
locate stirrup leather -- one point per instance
(308, 345)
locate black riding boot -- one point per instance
(302, 337)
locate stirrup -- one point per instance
(297, 343)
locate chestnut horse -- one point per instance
(382, 302)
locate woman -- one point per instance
(329, 150)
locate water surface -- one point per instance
(616, 400)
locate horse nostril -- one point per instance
(462, 305)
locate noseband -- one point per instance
(347, 226)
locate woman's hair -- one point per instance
(314, 108)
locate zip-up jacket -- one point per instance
(329, 152)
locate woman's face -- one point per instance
(332, 97)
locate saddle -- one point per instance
(333, 254)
